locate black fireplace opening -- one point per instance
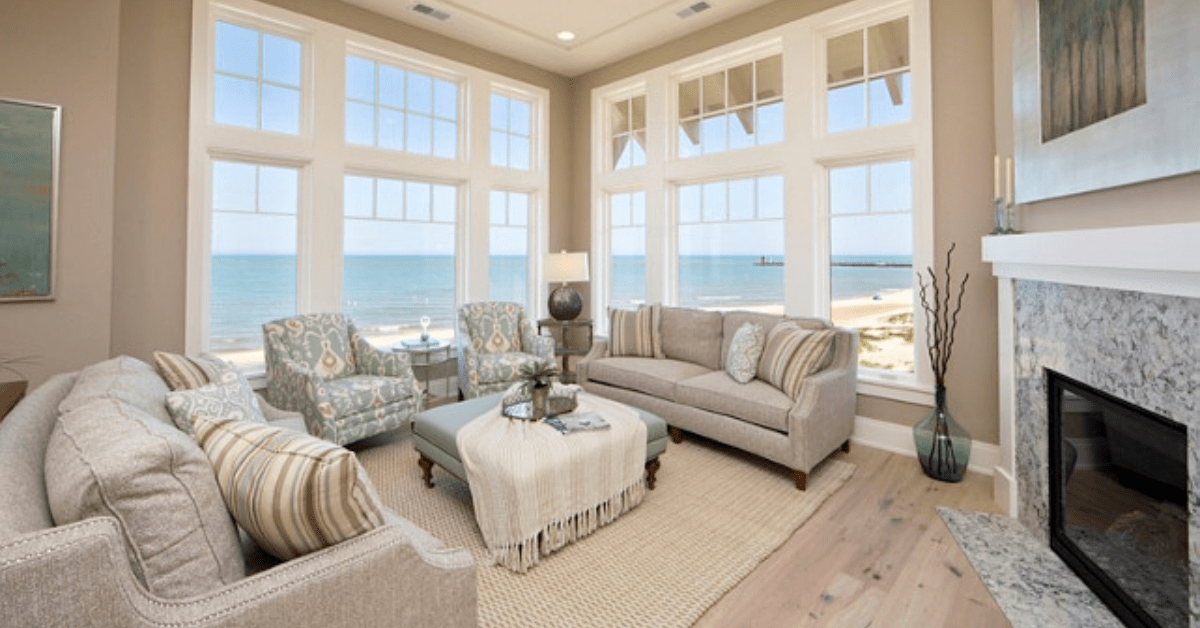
(1118, 502)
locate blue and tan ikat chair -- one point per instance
(494, 340)
(320, 366)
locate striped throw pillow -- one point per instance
(292, 493)
(791, 354)
(179, 371)
(634, 333)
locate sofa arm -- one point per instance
(822, 417)
(294, 387)
(372, 360)
(79, 575)
(599, 350)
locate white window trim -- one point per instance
(323, 156)
(802, 158)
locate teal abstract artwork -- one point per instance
(28, 195)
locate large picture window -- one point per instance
(627, 238)
(730, 109)
(257, 79)
(731, 250)
(508, 243)
(627, 118)
(868, 79)
(511, 136)
(871, 267)
(397, 109)
(399, 254)
(253, 276)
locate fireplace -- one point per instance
(1118, 501)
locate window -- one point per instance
(256, 84)
(731, 109)
(731, 249)
(627, 224)
(871, 267)
(253, 276)
(396, 109)
(627, 118)
(398, 253)
(508, 244)
(511, 138)
(868, 81)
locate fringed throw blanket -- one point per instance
(535, 489)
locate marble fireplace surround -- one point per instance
(1126, 302)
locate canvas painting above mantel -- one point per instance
(1105, 94)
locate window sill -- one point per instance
(896, 388)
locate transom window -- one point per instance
(397, 109)
(735, 108)
(256, 82)
(868, 82)
(511, 135)
(731, 249)
(627, 118)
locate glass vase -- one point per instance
(943, 446)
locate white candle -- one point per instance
(1008, 177)
(996, 177)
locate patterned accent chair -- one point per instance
(494, 340)
(319, 365)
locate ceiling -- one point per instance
(526, 30)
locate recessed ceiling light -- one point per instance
(565, 36)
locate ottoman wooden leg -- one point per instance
(652, 466)
(676, 435)
(801, 480)
(846, 446)
(426, 470)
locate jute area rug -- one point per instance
(715, 515)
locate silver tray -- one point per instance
(523, 410)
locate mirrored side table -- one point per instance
(433, 362)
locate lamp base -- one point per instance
(565, 303)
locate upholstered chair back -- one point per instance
(319, 341)
(493, 326)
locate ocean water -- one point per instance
(392, 293)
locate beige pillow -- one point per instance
(635, 333)
(792, 353)
(109, 458)
(292, 493)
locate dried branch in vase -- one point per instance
(941, 322)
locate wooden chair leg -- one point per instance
(426, 470)
(801, 480)
(676, 435)
(652, 466)
(846, 446)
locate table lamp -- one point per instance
(565, 302)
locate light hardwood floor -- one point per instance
(876, 554)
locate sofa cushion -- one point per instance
(635, 333)
(745, 349)
(124, 378)
(652, 376)
(293, 493)
(109, 458)
(692, 336)
(231, 396)
(756, 402)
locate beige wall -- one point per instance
(65, 53)
(963, 149)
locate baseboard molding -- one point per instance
(898, 439)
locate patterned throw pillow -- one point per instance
(635, 333)
(230, 396)
(744, 351)
(792, 353)
(292, 493)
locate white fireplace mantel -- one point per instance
(1156, 259)
(1159, 259)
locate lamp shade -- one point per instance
(564, 267)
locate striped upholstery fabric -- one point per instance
(791, 354)
(292, 493)
(634, 333)
(179, 371)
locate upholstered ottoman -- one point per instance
(435, 435)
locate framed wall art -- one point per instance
(1105, 94)
(29, 153)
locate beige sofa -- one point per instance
(690, 389)
(82, 573)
